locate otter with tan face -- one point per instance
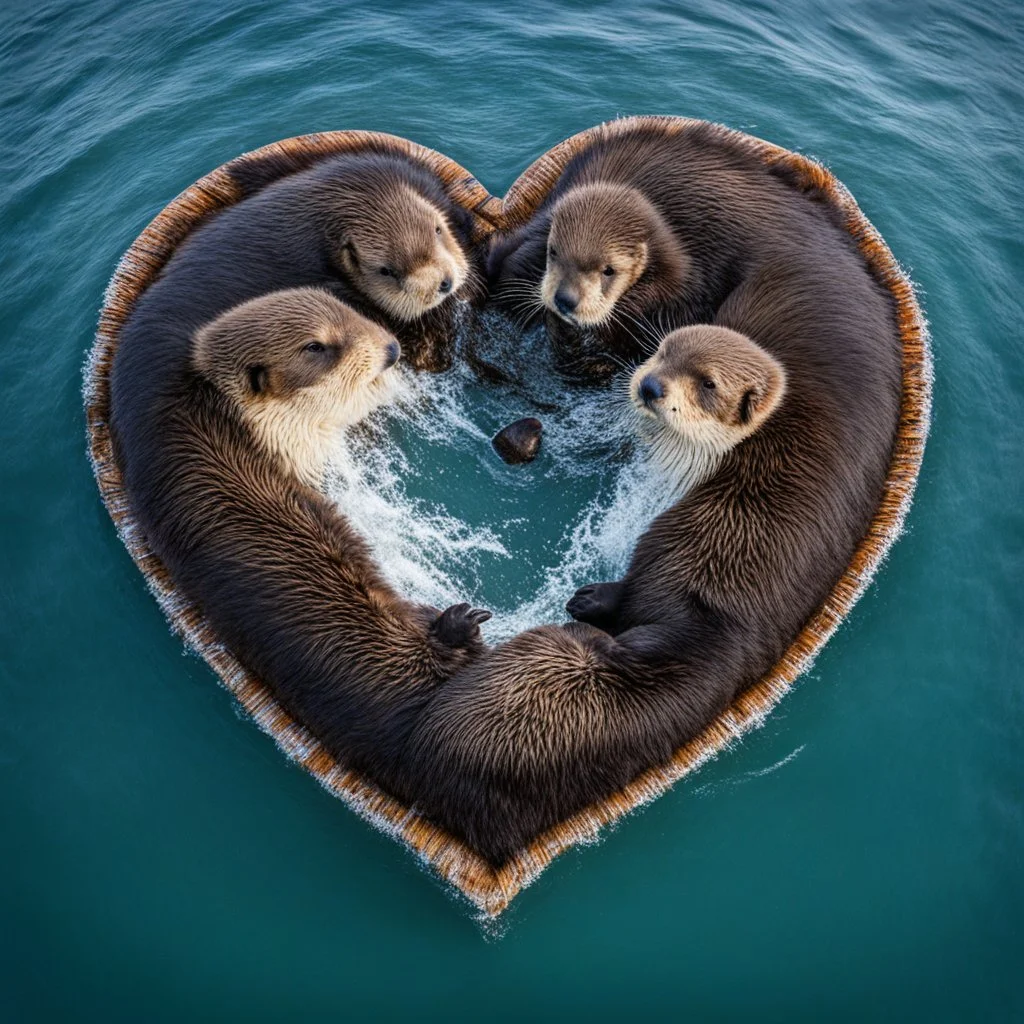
(644, 232)
(395, 245)
(376, 230)
(220, 445)
(604, 238)
(299, 366)
(777, 422)
(704, 391)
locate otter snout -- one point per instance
(430, 285)
(650, 390)
(566, 301)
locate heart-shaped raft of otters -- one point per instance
(724, 312)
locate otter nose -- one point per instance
(392, 354)
(565, 302)
(650, 390)
(445, 286)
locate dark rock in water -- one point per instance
(519, 441)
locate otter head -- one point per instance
(603, 238)
(395, 246)
(709, 387)
(298, 365)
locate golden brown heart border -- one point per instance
(488, 889)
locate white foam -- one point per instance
(433, 555)
(423, 551)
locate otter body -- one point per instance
(719, 585)
(644, 232)
(307, 229)
(220, 474)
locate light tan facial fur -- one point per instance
(706, 389)
(400, 252)
(300, 366)
(599, 244)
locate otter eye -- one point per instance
(552, 253)
(314, 346)
(437, 230)
(707, 384)
(385, 271)
(608, 271)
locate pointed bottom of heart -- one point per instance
(490, 890)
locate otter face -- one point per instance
(711, 386)
(402, 254)
(599, 245)
(299, 366)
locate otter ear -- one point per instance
(259, 379)
(761, 400)
(749, 404)
(348, 256)
(640, 259)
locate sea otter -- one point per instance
(299, 367)
(221, 471)
(644, 232)
(378, 230)
(779, 417)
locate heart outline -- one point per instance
(491, 890)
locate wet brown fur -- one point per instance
(562, 716)
(284, 581)
(720, 212)
(302, 230)
(300, 366)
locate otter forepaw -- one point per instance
(459, 625)
(596, 603)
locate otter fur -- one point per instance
(377, 230)
(644, 232)
(220, 467)
(722, 582)
(300, 366)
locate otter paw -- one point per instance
(459, 625)
(595, 603)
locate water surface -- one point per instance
(859, 858)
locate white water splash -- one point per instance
(441, 424)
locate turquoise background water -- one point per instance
(859, 858)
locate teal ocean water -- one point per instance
(858, 858)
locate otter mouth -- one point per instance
(642, 408)
(580, 322)
(410, 310)
(384, 375)
(574, 319)
(439, 300)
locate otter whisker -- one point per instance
(649, 340)
(642, 343)
(522, 311)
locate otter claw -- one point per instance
(595, 603)
(582, 606)
(459, 625)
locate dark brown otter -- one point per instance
(216, 462)
(300, 366)
(720, 584)
(644, 232)
(377, 230)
